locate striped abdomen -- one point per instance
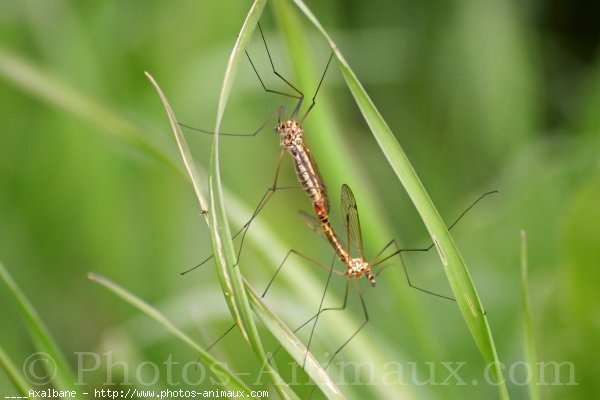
(312, 183)
(310, 178)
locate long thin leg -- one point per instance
(312, 104)
(375, 262)
(312, 331)
(338, 308)
(432, 244)
(365, 322)
(266, 197)
(209, 348)
(290, 252)
(408, 281)
(254, 133)
(311, 260)
(299, 95)
(261, 204)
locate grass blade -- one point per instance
(330, 146)
(63, 378)
(294, 347)
(226, 377)
(13, 374)
(454, 266)
(184, 149)
(49, 88)
(530, 353)
(229, 275)
(229, 272)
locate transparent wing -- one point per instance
(311, 222)
(350, 213)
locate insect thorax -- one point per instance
(358, 267)
(290, 132)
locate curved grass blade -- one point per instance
(51, 89)
(231, 280)
(454, 266)
(184, 149)
(226, 377)
(294, 347)
(64, 378)
(13, 374)
(225, 259)
(333, 151)
(530, 353)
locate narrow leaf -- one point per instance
(45, 86)
(57, 365)
(13, 373)
(226, 377)
(454, 266)
(294, 347)
(529, 337)
(184, 149)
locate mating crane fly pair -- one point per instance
(292, 142)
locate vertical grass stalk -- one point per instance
(529, 337)
(454, 266)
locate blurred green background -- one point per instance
(481, 95)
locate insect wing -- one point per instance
(311, 222)
(350, 212)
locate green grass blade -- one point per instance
(229, 273)
(530, 353)
(294, 347)
(226, 377)
(182, 144)
(454, 266)
(14, 374)
(64, 378)
(230, 277)
(327, 138)
(49, 88)
(184, 149)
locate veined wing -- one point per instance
(311, 222)
(350, 213)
